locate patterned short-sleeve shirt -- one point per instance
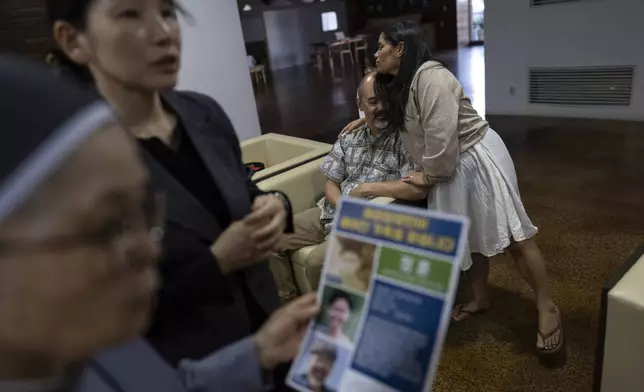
(360, 158)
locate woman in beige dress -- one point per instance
(468, 168)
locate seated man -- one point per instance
(367, 163)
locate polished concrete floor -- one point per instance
(583, 185)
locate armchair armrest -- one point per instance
(280, 153)
(382, 200)
(304, 185)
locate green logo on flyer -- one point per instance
(415, 269)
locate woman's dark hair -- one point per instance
(75, 13)
(392, 90)
(71, 11)
(337, 294)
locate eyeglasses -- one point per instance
(149, 220)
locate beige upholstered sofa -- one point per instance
(304, 185)
(620, 353)
(280, 153)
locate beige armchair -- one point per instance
(304, 185)
(620, 352)
(280, 153)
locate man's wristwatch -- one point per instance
(284, 199)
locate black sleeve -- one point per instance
(227, 129)
(190, 273)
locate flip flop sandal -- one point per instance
(545, 336)
(459, 309)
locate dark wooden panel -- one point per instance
(442, 14)
(24, 28)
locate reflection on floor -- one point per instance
(582, 185)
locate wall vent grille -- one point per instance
(598, 86)
(535, 3)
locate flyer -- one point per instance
(386, 293)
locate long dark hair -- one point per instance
(392, 90)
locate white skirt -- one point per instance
(485, 189)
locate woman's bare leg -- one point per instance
(477, 276)
(532, 266)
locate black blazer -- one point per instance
(199, 308)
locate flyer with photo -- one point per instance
(386, 293)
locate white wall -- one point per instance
(589, 33)
(214, 61)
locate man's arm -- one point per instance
(332, 192)
(398, 189)
(395, 189)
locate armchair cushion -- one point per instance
(307, 276)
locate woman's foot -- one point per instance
(476, 278)
(470, 309)
(550, 337)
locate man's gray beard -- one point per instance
(381, 124)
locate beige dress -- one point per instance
(467, 161)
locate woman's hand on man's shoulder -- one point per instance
(352, 126)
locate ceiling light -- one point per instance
(247, 8)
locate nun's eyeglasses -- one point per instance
(149, 221)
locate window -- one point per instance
(329, 21)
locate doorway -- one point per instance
(477, 18)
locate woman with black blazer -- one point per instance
(217, 287)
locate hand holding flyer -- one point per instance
(387, 290)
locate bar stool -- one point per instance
(346, 50)
(319, 51)
(343, 48)
(258, 71)
(361, 45)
